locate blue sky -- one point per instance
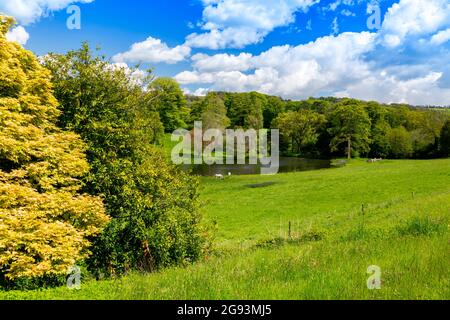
(291, 48)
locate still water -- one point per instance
(286, 165)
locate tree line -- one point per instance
(331, 127)
(315, 127)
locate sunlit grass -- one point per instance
(393, 214)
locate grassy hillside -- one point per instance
(403, 228)
(331, 197)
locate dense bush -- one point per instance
(153, 204)
(45, 221)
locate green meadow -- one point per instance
(309, 235)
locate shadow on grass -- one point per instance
(261, 185)
(309, 236)
(422, 226)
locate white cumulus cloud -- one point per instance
(200, 92)
(412, 18)
(29, 11)
(18, 34)
(441, 37)
(222, 62)
(285, 70)
(237, 23)
(394, 64)
(153, 51)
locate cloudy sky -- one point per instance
(385, 50)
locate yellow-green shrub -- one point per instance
(45, 221)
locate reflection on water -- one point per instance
(286, 165)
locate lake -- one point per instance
(287, 164)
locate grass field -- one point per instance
(392, 214)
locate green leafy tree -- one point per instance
(299, 128)
(214, 114)
(272, 109)
(236, 104)
(46, 221)
(400, 143)
(254, 117)
(445, 139)
(170, 102)
(350, 125)
(320, 105)
(245, 110)
(379, 146)
(195, 106)
(153, 204)
(397, 115)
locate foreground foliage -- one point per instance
(154, 205)
(45, 221)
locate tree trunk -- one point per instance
(349, 148)
(148, 262)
